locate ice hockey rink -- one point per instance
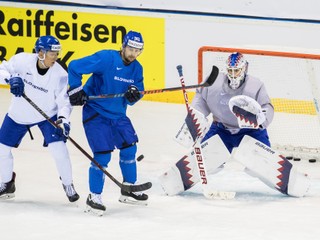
(41, 210)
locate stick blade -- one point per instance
(213, 76)
(136, 188)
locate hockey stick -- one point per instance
(126, 188)
(213, 75)
(198, 152)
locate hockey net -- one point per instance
(292, 81)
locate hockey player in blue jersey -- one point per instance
(105, 121)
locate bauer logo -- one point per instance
(202, 172)
(264, 147)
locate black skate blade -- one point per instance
(132, 201)
(136, 188)
(95, 212)
(7, 196)
(73, 204)
(74, 198)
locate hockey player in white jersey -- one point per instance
(241, 108)
(42, 79)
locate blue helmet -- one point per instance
(47, 43)
(133, 39)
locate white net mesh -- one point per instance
(292, 82)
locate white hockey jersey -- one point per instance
(48, 92)
(215, 99)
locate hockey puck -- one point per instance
(312, 160)
(140, 158)
(289, 158)
(296, 159)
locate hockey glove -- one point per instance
(16, 86)
(63, 129)
(248, 111)
(77, 96)
(195, 124)
(132, 94)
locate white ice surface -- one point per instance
(41, 210)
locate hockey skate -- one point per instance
(71, 193)
(95, 205)
(135, 198)
(7, 189)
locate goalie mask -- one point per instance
(237, 68)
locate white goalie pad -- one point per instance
(247, 111)
(184, 174)
(184, 137)
(189, 132)
(271, 167)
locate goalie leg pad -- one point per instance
(171, 181)
(184, 174)
(270, 167)
(184, 137)
(180, 177)
(299, 184)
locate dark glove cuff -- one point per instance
(74, 90)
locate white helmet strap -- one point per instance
(41, 60)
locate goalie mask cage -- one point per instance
(292, 81)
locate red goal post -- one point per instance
(292, 81)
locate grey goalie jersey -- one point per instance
(215, 99)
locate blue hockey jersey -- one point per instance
(109, 75)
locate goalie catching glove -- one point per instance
(247, 111)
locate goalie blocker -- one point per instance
(271, 168)
(193, 126)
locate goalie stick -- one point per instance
(126, 188)
(213, 75)
(197, 148)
